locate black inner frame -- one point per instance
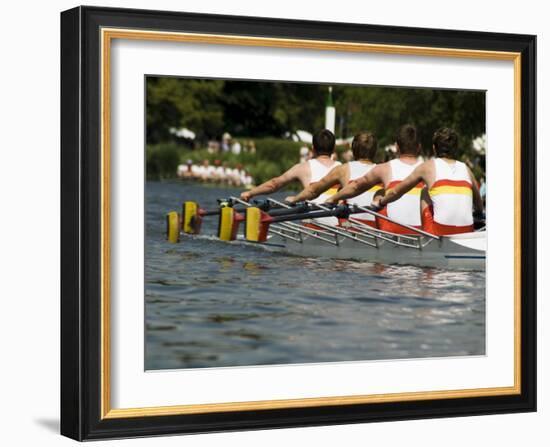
(81, 220)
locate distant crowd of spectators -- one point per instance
(217, 172)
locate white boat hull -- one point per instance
(459, 252)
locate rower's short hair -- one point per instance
(364, 145)
(445, 141)
(323, 142)
(407, 140)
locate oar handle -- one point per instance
(339, 211)
(264, 205)
(298, 208)
(214, 212)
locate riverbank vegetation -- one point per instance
(268, 113)
(272, 157)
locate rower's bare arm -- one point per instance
(275, 183)
(315, 189)
(478, 201)
(359, 186)
(405, 186)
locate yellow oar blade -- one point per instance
(190, 212)
(257, 225)
(225, 230)
(253, 223)
(172, 227)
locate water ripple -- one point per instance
(212, 304)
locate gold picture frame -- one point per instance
(103, 28)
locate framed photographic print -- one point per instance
(276, 223)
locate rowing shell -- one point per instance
(357, 241)
(297, 230)
(458, 252)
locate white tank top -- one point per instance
(407, 209)
(451, 194)
(318, 171)
(358, 170)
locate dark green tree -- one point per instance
(192, 103)
(259, 109)
(383, 110)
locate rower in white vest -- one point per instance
(364, 147)
(452, 188)
(406, 210)
(358, 169)
(389, 174)
(305, 172)
(319, 167)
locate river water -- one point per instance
(213, 304)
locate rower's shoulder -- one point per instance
(302, 165)
(297, 170)
(340, 171)
(429, 162)
(378, 173)
(301, 170)
(427, 166)
(381, 167)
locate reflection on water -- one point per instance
(212, 304)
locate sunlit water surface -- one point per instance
(213, 304)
